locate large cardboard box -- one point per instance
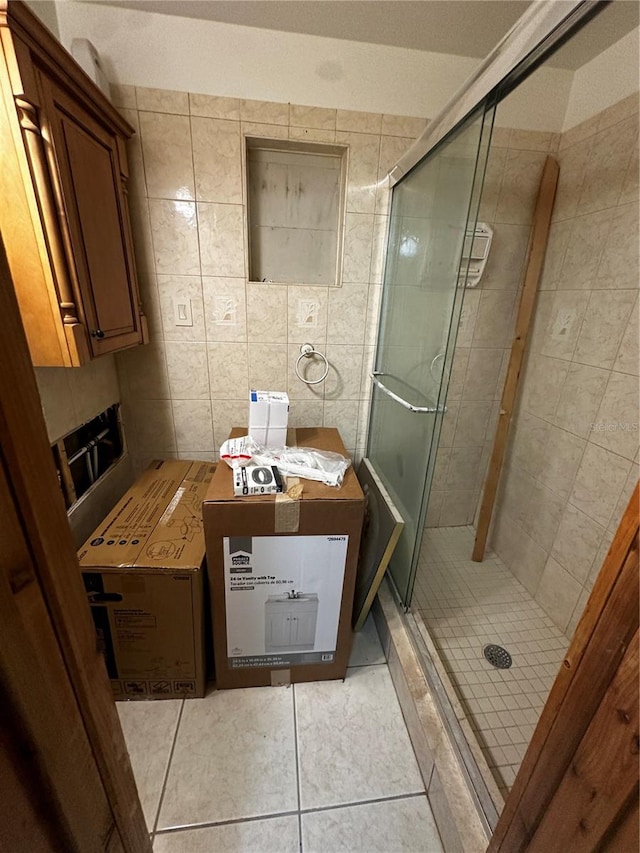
(282, 572)
(144, 573)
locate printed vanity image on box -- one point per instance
(283, 596)
(143, 569)
(282, 574)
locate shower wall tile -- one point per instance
(217, 160)
(617, 268)
(344, 380)
(564, 323)
(616, 424)
(599, 483)
(562, 458)
(312, 117)
(493, 327)
(505, 263)
(359, 122)
(264, 131)
(168, 163)
(577, 542)
(558, 593)
(187, 370)
(162, 101)
(225, 308)
(267, 366)
(267, 112)
(193, 425)
(573, 164)
(522, 171)
(347, 314)
(628, 358)
(559, 235)
(307, 315)
(214, 106)
(143, 373)
(174, 231)
(364, 153)
(580, 456)
(358, 242)
(584, 250)
(610, 157)
(580, 398)
(228, 371)
(312, 134)
(188, 288)
(404, 126)
(267, 312)
(604, 324)
(221, 234)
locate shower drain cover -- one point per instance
(497, 656)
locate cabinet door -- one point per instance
(279, 629)
(303, 631)
(88, 175)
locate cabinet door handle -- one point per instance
(97, 333)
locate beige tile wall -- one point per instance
(71, 396)
(486, 326)
(183, 392)
(573, 456)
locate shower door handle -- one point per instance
(419, 410)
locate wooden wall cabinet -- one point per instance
(64, 211)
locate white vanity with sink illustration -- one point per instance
(290, 622)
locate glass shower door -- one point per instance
(433, 209)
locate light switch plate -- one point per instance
(182, 313)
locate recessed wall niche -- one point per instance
(295, 193)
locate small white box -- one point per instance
(268, 417)
(278, 410)
(277, 437)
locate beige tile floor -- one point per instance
(323, 767)
(465, 606)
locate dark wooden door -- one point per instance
(88, 164)
(66, 782)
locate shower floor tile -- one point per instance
(465, 606)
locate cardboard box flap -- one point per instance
(321, 438)
(178, 538)
(155, 517)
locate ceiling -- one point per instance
(460, 27)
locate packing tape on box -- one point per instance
(287, 504)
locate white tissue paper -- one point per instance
(323, 466)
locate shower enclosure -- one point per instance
(457, 609)
(433, 216)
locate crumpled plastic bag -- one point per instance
(324, 466)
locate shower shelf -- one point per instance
(474, 255)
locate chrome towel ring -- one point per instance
(308, 351)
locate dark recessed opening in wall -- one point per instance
(295, 195)
(85, 455)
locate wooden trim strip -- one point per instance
(535, 260)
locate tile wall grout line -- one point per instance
(297, 752)
(167, 770)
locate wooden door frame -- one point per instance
(605, 639)
(30, 470)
